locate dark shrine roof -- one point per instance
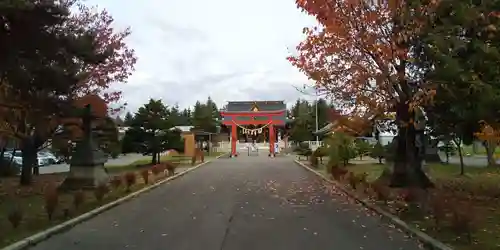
(255, 106)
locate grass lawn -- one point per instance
(467, 149)
(31, 203)
(147, 160)
(479, 188)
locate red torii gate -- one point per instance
(231, 119)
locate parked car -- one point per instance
(44, 158)
(47, 158)
(16, 156)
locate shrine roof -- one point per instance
(255, 106)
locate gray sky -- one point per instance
(228, 49)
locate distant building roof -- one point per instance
(255, 106)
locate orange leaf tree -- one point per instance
(358, 54)
(491, 138)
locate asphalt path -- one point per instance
(243, 203)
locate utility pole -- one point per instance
(317, 119)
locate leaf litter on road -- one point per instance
(307, 192)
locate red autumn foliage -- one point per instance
(145, 175)
(170, 168)
(78, 198)
(100, 191)
(338, 173)
(155, 170)
(51, 198)
(116, 182)
(381, 191)
(130, 180)
(97, 104)
(118, 67)
(358, 55)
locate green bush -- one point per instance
(320, 153)
(313, 160)
(303, 149)
(341, 149)
(362, 148)
(378, 152)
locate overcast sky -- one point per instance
(227, 49)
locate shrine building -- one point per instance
(255, 121)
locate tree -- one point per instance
(36, 80)
(464, 71)
(453, 119)
(129, 119)
(359, 56)
(302, 127)
(323, 113)
(378, 152)
(153, 130)
(204, 116)
(362, 147)
(75, 55)
(186, 117)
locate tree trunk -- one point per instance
(490, 153)
(153, 159)
(447, 153)
(407, 170)
(29, 151)
(380, 160)
(460, 155)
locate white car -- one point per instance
(44, 158)
(16, 159)
(47, 158)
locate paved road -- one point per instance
(121, 160)
(244, 203)
(470, 161)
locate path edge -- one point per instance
(427, 241)
(34, 239)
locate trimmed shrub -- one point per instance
(78, 198)
(130, 180)
(145, 175)
(100, 191)
(15, 216)
(170, 168)
(155, 170)
(313, 161)
(51, 199)
(116, 182)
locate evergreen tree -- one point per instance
(129, 119)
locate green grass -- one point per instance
(436, 171)
(479, 186)
(468, 150)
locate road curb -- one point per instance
(43, 235)
(427, 241)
